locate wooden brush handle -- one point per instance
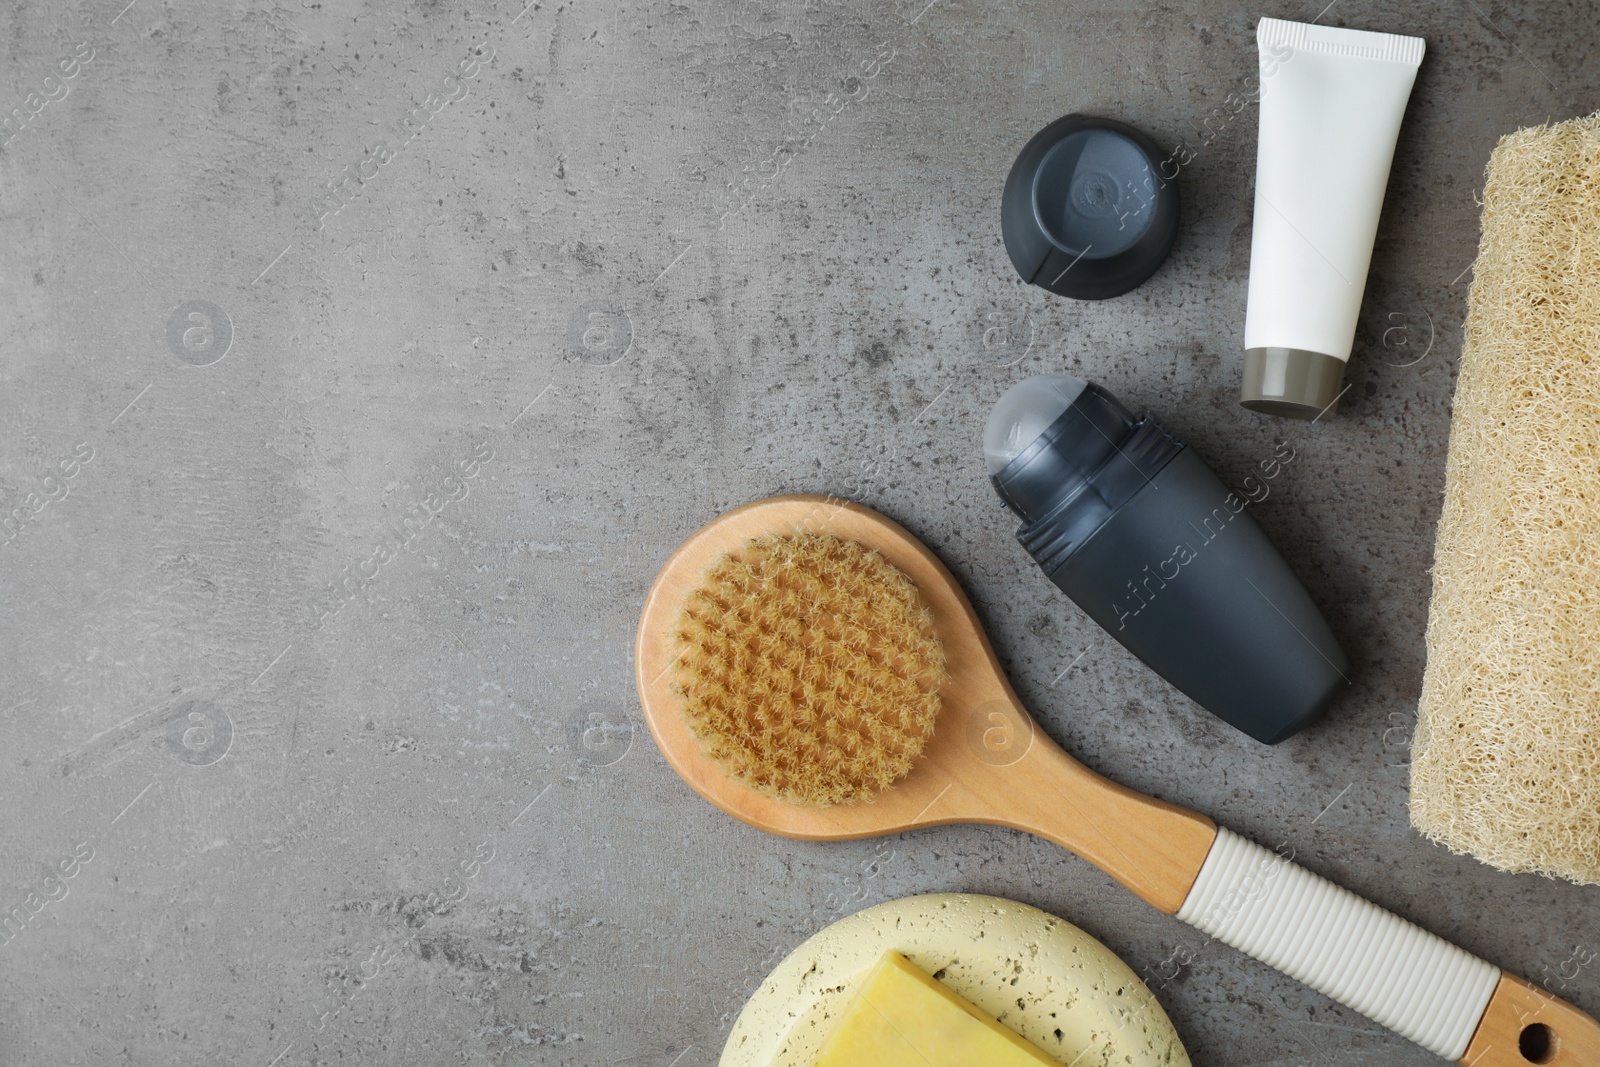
(1389, 970)
(1525, 1024)
(1152, 847)
(1260, 902)
(1395, 973)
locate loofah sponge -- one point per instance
(809, 667)
(1506, 759)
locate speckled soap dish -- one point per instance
(1039, 975)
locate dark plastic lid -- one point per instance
(1086, 212)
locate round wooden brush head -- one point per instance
(982, 732)
(984, 763)
(809, 668)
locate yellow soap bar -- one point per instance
(904, 1017)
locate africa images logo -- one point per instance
(51, 888)
(1252, 491)
(453, 86)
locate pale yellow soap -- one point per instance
(1044, 978)
(904, 1017)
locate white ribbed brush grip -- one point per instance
(1393, 972)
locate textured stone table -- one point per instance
(391, 351)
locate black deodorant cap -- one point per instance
(1135, 528)
(1087, 212)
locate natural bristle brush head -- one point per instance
(919, 726)
(809, 667)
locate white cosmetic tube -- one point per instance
(1331, 104)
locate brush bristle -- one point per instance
(810, 668)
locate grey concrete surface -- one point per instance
(336, 789)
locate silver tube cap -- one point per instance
(1291, 382)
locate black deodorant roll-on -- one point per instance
(1138, 531)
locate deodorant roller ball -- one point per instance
(809, 668)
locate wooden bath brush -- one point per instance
(812, 669)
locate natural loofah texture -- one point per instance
(1506, 760)
(810, 668)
